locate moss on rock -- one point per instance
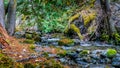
(85, 17)
(66, 41)
(111, 53)
(28, 36)
(84, 52)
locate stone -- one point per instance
(116, 59)
(116, 64)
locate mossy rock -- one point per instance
(28, 36)
(66, 42)
(37, 38)
(28, 41)
(62, 53)
(84, 52)
(111, 53)
(33, 35)
(83, 19)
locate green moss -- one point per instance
(66, 41)
(88, 15)
(28, 41)
(116, 37)
(84, 52)
(104, 37)
(72, 18)
(28, 36)
(50, 64)
(62, 53)
(32, 47)
(111, 53)
(76, 30)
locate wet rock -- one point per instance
(53, 40)
(52, 55)
(116, 64)
(77, 41)
(66, 48)
(95, 56)
(78, 50)
(82, 63)
(116, 59)
(100, 66)
(85, 43)
(72, 55)
(97, 51)
(79, 59)
(20, 34)
(63, 60)
(100, 44)
(102, 61)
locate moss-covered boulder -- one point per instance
(33, 35)
(81, 23)
(66, 42)
(111, 53)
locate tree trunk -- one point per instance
(11, 17)
(103, 18)
(2, 12)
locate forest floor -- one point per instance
(81, 54)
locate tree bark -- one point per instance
(2, 13)
(11, 17)
(104, 13)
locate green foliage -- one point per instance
(50, 64)
(111, 53)
(116, 38)
(104, 37)
(6, 62)
(49, 15)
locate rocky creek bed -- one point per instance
(81, 54)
